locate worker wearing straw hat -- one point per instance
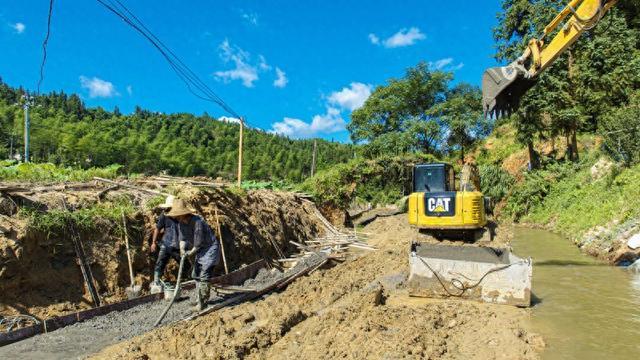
(197, 241)
(167, 230)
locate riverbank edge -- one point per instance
(604, 242)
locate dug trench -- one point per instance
(356, 310)
(39, 272)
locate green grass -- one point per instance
(31, 172)
(575, 203)
(59, 221)
(498, 146)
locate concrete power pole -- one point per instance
(313, 157)
(240, 153)
(28, 102)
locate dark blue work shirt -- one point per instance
(170, 226)
(197, 233)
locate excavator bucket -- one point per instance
(502, 88)
(479, 273)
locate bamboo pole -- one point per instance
(224, 258)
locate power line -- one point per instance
(185, 74)
(44, 47)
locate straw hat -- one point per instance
(180, 208)
(168, 202)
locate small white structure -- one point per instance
(480, 273)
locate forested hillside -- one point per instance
(67, 133)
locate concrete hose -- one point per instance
(175, 293)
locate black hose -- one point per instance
(175, 293)
(457, 283)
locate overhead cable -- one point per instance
(194, 84)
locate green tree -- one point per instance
(461, 115)
(401, 106)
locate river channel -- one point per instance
(584, 308)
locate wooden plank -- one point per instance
(238, 277)
(131, 186)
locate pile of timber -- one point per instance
(162, 181)
(335, 244)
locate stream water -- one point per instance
(584, 309)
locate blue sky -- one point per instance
(295, 67)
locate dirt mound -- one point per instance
(356, 310)
(39, 272)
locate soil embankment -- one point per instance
(356, 310)
(39, 271)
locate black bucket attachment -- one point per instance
(502, 89)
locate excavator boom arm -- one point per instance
(502, 87)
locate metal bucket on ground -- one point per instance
(169, 289)
(480, 273)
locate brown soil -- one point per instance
(356, 310)
(39, 272)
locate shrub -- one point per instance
(495, 182)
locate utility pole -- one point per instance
(11, 148)
(240, 153)
(313, 157)
(28, 102)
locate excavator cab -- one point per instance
(433, 178)
(435, 205)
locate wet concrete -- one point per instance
(584, 309)
(82, 339)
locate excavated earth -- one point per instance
(355, 310)
(39, 273)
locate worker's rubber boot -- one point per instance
(203, 295)
(156, 285)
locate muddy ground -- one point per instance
(355, 310)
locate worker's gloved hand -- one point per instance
(183, 248)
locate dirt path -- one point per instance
(356, 310)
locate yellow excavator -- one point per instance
(485, 273)
(503, 87)
(435, 206)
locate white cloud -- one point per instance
(250, 17)
(281, 78)
(327, 123)
(243, 71)
(348, 99)
(351, 97)
(98, 87)
(263, 63)
(129, 90)
(404, 37)
(439, 64)
(227, 119)
(18, 27)
(445, 64)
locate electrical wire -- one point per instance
(44, 47)
(191, 80)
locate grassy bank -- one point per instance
(31, 172)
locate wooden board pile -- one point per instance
(335, 244)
